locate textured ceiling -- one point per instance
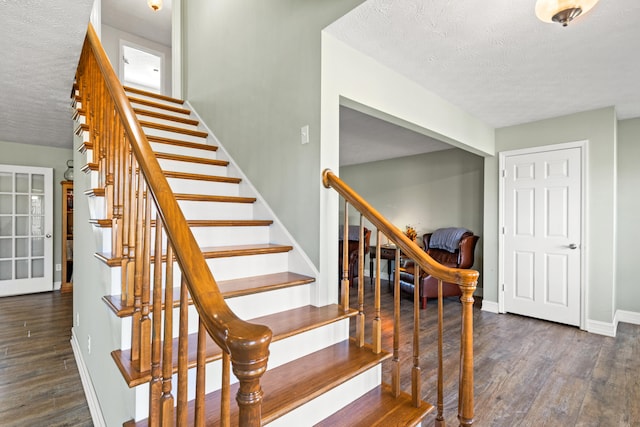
(498, 62)
(134, 16)
(40, 43)
(492, 59)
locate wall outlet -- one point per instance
(77, 319)
(304, 134)
(58, 267)
(89, 344)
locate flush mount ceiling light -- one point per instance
(562, 11)
(155, 5)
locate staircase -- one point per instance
(316, 374)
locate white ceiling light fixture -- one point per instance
(562, 11)
(155, 5)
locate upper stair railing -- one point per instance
(142, 208)
(466, 279)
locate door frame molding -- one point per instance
(583, 145)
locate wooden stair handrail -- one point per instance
(247, 343)
(463, 277)
(466, 279)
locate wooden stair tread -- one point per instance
(175, 129)
(378, 408)
(283, 325)
(228, 288)
(107, 223)
(149, 103)
(100, 192)
(162, 116)
(295, 383)
(178, 142)
(153, 95)
(191, 159)
(208, 198)
(201, 177)
(213, 252)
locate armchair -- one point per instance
(462, 257)
(354, 244)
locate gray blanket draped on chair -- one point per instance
(447, 238)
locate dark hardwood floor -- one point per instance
(527, 372)
(39, 380)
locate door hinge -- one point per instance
(504, 173)
(503, 287)
(504, 230)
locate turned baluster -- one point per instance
(465, 394)
(360, 319)
(166, 402)
(345, 259)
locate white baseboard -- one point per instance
(627, 317)
(89, 391)
(601, 328)
(490, 306)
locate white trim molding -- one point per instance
(87, 385)
(601, 328)
(490, 306)
(627, 317)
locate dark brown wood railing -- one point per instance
(138, 195)
(466, 279)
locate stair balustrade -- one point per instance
(465, 278)
(149, 231)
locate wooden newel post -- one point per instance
(250, 393)
(465, 393)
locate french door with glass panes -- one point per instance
(26, 226)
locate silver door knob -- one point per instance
(48, 236)
(573, 246)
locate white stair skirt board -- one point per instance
(89, 391)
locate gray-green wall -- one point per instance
(628, 291)
(599, 128)
(427, 191)
(252, 71)
(48, 157)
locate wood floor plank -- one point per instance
(39, 380)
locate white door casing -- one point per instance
(542, 233)
(26, 229)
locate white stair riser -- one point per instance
(247, 266)
(185, 151)
(173, 135)
(285, 350)
(246, 307)
(216, 210)
(154, 99)
(331, 401)
(227, 236)
(194, 186)
(190, 167)
(243, 266)
(157, 109)
(169, 122)
(205, 236)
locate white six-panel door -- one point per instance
(26, 228)
(542, 217)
